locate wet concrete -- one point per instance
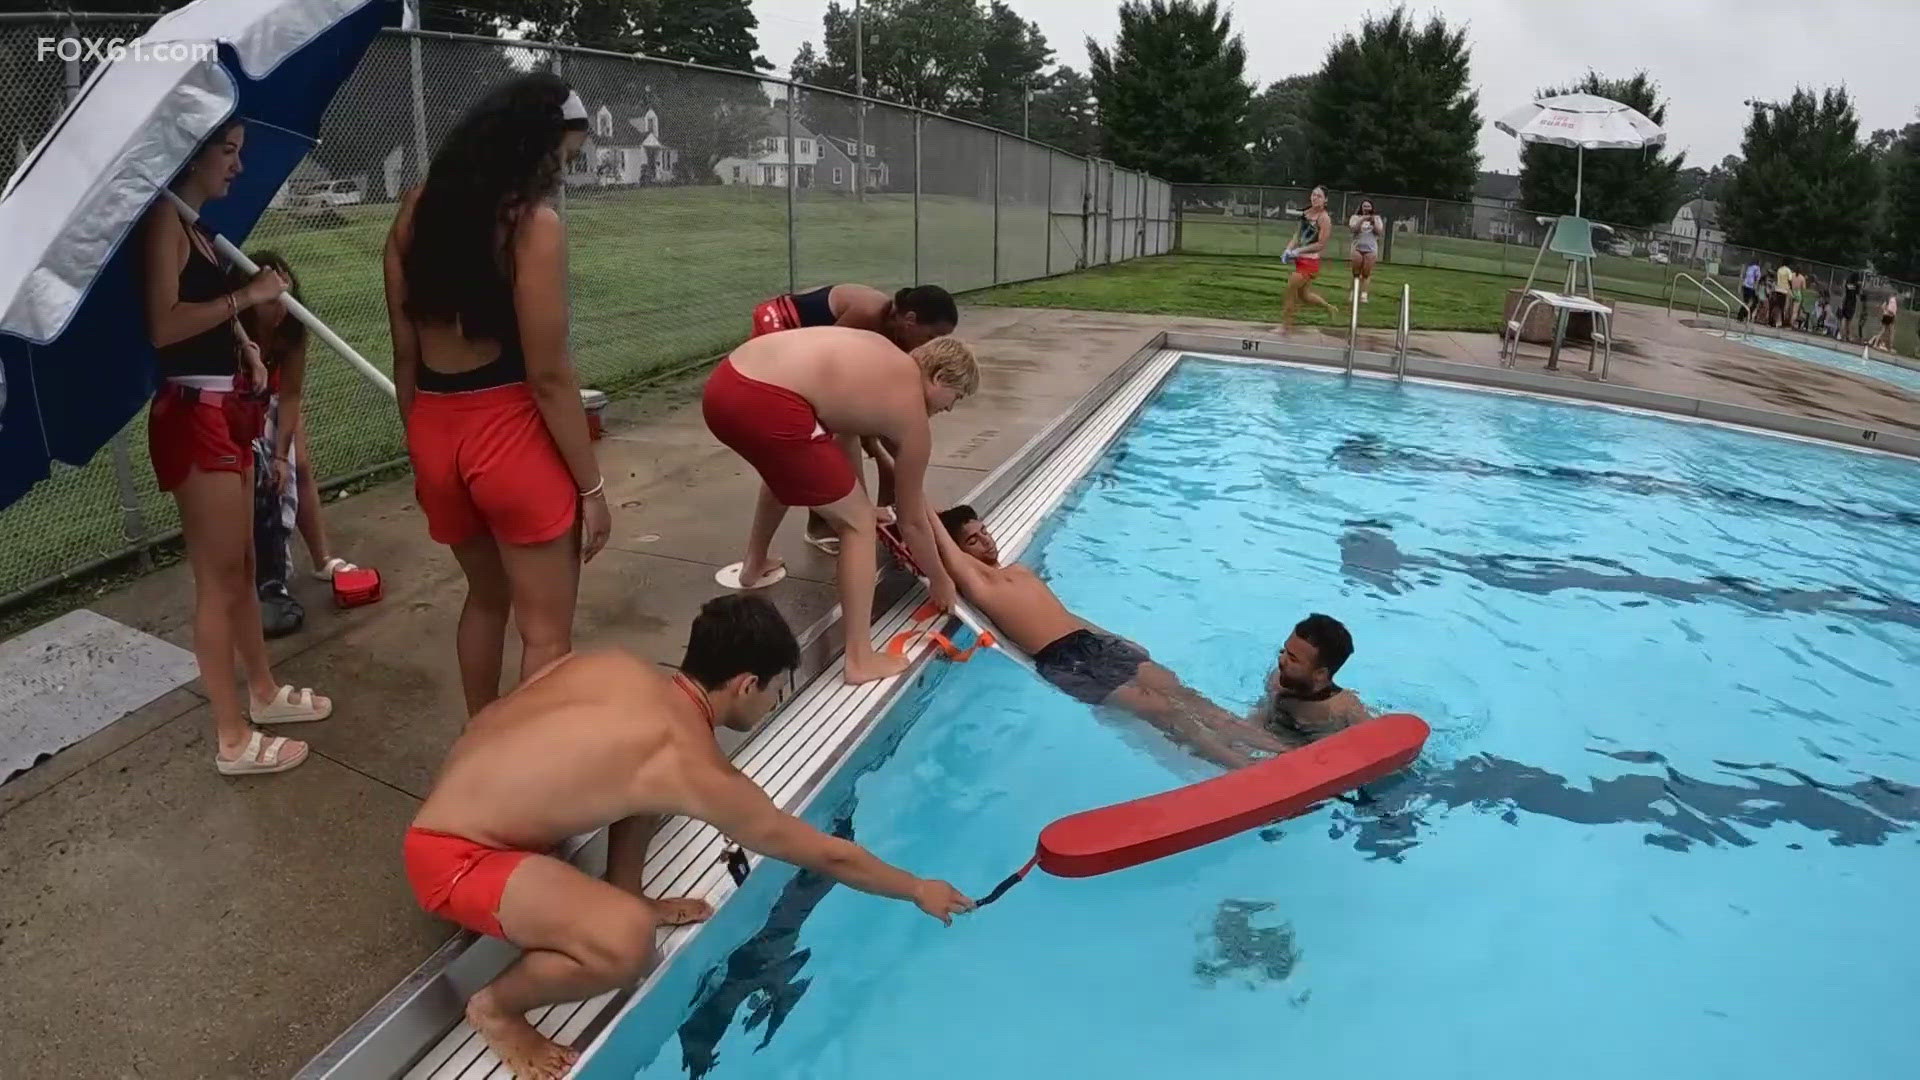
(158, 919)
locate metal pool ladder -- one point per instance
(1353, 322)
(1708, 290)
(1402, 336)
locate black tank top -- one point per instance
(509, 367)
(210, 352)
(815, 307)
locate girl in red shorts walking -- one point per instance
(205, 415)
(476, 296)
(1315, 226)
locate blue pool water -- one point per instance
(1665, 825)
(1906, 378)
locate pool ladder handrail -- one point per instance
(1702, 294)
(1353, 322)
(1403, 335)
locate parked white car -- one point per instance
(329, 193)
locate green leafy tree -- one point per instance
(1627, 187)
(923, 53)
(1282, 143)
(1172, 91)
(1393, 110)
(1899, 252)
(1063, 113)
(1807, 186)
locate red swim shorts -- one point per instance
(1308, 266)
(457, 879)
(780, 435)
(185, 433)
(483, 462)
(775, 315)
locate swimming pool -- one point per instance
(1664, 823)
(1905, 378)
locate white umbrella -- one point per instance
(1584, 122)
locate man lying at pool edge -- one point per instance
(1086, 662)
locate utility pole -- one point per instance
(1026, 107)
(860, 106)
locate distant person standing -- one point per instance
(1782, 285)
(1796, 299)
(1304, 254)
(1849, 306)
(1367, 227)
(1750, 286)
(1888, 311)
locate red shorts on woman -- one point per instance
(188, 429)
(484, 463)
(780, 435)
(1308, 266)
(775, 315)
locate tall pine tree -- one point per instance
(1899, 251)
(1282, 143)
(1806, 185)
(1626, 187)
(1173, 95)
(1393, 110)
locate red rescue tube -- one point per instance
(1130, 833)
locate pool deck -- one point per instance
(158, 919)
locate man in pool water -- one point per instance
(1083, 660)
(1303, 703)
(610, 739)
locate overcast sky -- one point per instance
(1707, 55)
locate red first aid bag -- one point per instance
(352, 588)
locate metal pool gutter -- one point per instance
(416, 1031)
(1527, 382)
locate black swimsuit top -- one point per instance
(503, 370)
(814, 306)
(215, 351)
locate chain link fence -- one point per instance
(1491, 237)
(700, 193)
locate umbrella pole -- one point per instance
(1579, 173)
(299, 310)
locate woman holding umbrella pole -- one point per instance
(202, 421)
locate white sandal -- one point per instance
(288, 707)
(262, 755)
(332, 567)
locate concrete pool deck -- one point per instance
(158, 919)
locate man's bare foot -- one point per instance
(527, 1053)
(872, 667)
(679, 911)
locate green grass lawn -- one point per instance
(1251, 289)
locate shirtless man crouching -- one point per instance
(608, 739)
(1083, 660)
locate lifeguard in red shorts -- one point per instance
(503, 463)
(795, 405)
(909, 318)
(1315, 226)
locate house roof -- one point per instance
(1704, 211)
(1497, 185)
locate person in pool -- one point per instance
(1086, 662)
(1303, 703)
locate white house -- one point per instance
(623, 151)
(1697, 233)
(839, 165)
(766, 162)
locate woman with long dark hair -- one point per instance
(909, 318)
(1367, 227)
(503, 464)
(205, 414)
(1316, 228)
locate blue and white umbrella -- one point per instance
(75, 360)
(1582, 122)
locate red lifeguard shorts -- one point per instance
(1308, 265)
(775, 315)
(483, 462)
(780, 435)
(185, 433)
(455, 878)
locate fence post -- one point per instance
(1049, 255)
(793, 248)
(996, 208)
(1503, 243)
(1086, 214)
(1426, 224)
(1259, 216)
(917, 118)
(420, 148)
